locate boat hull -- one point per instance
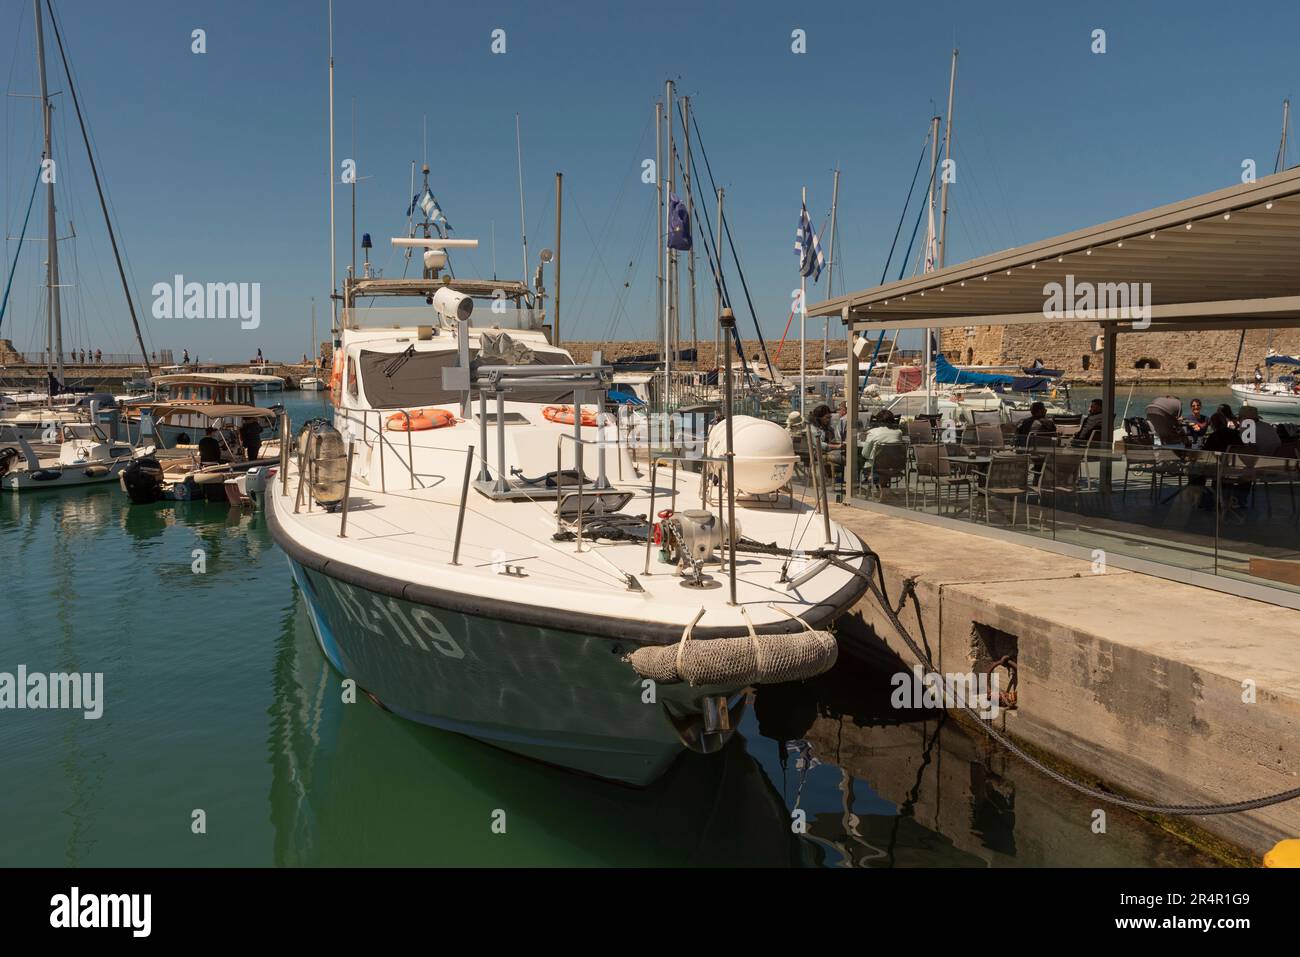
(1268, 401)
(562, 697)
(63, 477)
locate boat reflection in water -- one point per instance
(888, 787)
(355, 785)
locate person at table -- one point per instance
(1196, 423)
(1223, 433)
(841, 422)
(1091, 430)
(1266, 441)
(884, 431)
(1037, 424)
(832, 450)
(1229, 416)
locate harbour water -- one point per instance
(217, 699)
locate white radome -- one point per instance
(764, 453)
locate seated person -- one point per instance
(1266, 440)
(1228, 415)
(1091, 430)
(1223, 434)
(884, 431)
(1196, 423)
(823, 431)
(1037, 424)
(209, 448)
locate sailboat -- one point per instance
(78, 451)
(312, 383)
(1280, 395)
(68, 421)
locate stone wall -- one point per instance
(789, 357)
(1201, 357)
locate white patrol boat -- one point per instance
(480, 552)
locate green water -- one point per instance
(217, 698)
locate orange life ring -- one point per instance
(563, 414)
(420, 420)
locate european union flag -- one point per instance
(679, 224)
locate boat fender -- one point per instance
(1284, 854)
(96, 471)
(45, 475)
(756, 659)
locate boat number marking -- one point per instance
(426, 624)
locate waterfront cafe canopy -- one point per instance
(1225, 260)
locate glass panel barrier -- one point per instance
(1230, 513)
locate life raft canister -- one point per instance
(563, 414)
(420, 420)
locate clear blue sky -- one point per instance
(216, 163)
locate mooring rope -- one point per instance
(909, 591)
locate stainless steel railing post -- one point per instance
(347, 491)
(650, 523)
(460, 516)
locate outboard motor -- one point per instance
(8, 456)
(142, 480)
(326, 462)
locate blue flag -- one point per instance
(808, 247)
(679, 224)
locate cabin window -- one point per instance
(352, 377)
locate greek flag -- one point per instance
(808, 247)
(430, 207)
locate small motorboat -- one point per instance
(86, 456)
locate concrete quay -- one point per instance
(1148, 687)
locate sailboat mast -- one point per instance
(660, 243)
(670, 259)
(334, 303)
(690, 206)
(717, 289)
(315, 350)
(99, 189)
(1280, 164)
(523, 229)
(947, 155)
(929, 238)
(830, 269)
(803, 326)
(55, 324)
